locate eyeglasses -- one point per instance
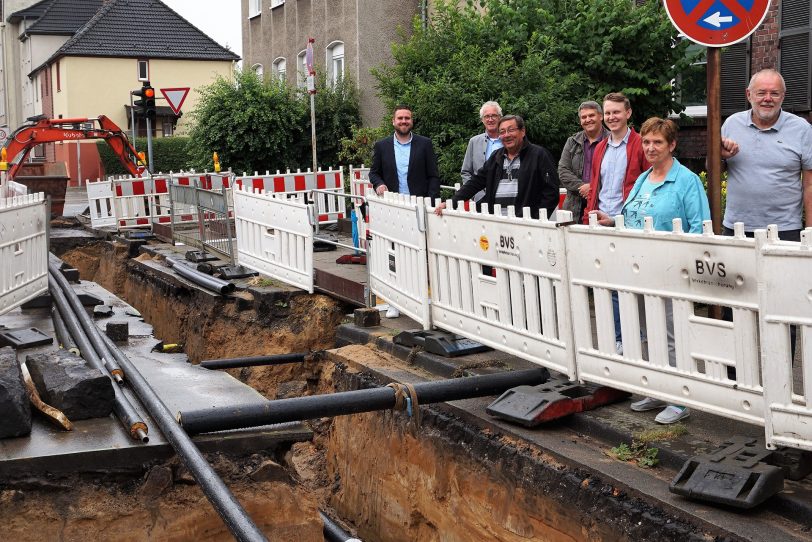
(774, 94)
(510, 130)
(490, 117)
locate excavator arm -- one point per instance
(43, 130)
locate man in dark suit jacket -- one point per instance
(405, 162)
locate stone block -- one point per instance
(102, 311)
(14, 402)
(66, 382)
(119, 332)
(71, 274)
(367, 317)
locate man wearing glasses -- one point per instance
(481, 146)
(768, 154)
(520, 174)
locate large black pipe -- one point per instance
(122, 407)
(333, 532)
(211, 283)
(62, 334)
(254, 361)
(224, 502)
(352, 402)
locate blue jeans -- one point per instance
(616, 315)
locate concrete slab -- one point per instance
(103, 444)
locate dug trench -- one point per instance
(453, 477)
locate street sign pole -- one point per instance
(715, 137)
(311, 89)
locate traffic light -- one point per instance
(145, 104)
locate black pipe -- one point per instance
(122, 407)
(89, 327)
(224, 502)
(211, 283)
(352, 402)
(255, 361)
(61, 331)
(333, 532)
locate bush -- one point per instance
(169, 154)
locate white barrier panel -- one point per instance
(716, 363)
(397, 256)
(11, 189)
(329, 209)
(23, 249)
(785, 286)
(275, 236)
(100, 198)
(502, 281)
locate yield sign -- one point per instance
(175, 97)
(716, 23)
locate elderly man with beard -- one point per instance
(520, 174)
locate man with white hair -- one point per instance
(768, 155)
(481, 146)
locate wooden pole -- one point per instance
(715, 138)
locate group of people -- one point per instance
(611, 170)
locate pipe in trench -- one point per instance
(62, 333)
(333, 532)
(211, 283)
(254, 361)
(122, 407)
(352, 402)
(221, 498)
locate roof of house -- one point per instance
(142, 29)
(31, 12)
(65, 17)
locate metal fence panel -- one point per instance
(23, 249)
(397, 256)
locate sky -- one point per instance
(219, 19)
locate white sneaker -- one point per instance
(619, 348)
(672, 414)
(392, 312)
(649, 403)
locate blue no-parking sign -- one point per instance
(716, 23)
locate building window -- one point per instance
(168, 127)
(143, 70)
(276, 3)
(280, 68)
(254, 8)
(302, 63)
(694, 82)
(335, 62)
(259, 70)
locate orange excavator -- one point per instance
(43, 130)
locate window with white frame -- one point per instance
(301, 58)
(280, 68)
(275, 3)
(258, 69)
(143, 70)
(693, 82)
(254, 7)
(335, 62)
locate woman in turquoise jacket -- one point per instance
(667, 190)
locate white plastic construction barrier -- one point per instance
(275, 235)
(329, 209)
(503, 282)
(100, 198)
(785, 287)
(23, 249)
(11, 189)
(397, 256)
(716, 363)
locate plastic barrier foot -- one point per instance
(197, 256)
(20, 338)
(797, 464)
(441, 343)
(531, 406)
(229, 272)
(735, 475)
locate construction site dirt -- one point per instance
(453, 474)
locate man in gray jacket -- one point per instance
(575, 165)
(481, 146)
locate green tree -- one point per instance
(260, 124)
(537, 58)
